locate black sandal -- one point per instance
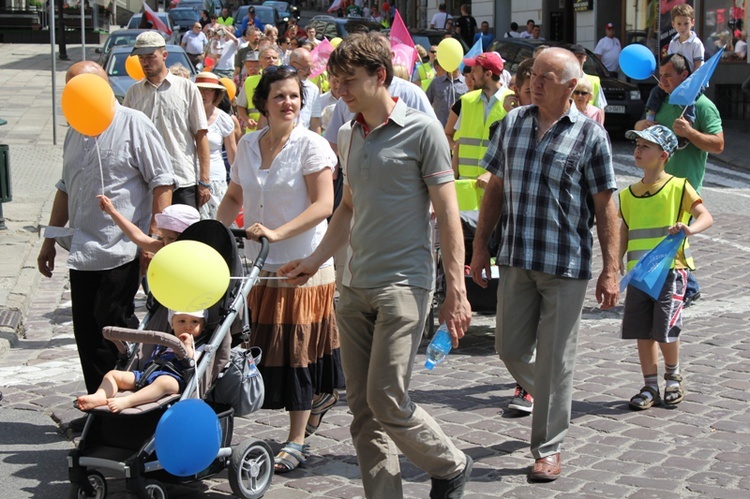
(674, 394)
(641, 401)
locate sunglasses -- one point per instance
(433, 51)
(580, 92)
(272, 69)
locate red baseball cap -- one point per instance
(491, 61)
(610, 26)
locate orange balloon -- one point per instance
(88, 104)
(230, 86)
(133, 68)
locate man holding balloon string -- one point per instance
(117, 152)
(175, 106)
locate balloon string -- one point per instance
(99, 157)
(259, 278)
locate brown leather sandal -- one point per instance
(640, 401)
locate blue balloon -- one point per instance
(188, 437)
(637, 61)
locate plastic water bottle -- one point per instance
(439, 347)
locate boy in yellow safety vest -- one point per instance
(657, 205)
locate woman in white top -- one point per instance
(220, 133)
(281, 177)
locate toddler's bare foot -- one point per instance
(88, 402)
(119, 404)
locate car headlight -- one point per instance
(635, 95)
(286, 19)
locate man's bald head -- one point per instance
(85, 67)
(301, 59)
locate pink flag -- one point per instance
(158, 23)
(320, 55)
(404, 55)
(399, 33)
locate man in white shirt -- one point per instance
(608, 49)
(529, 29)
(301, 60)
(194, 42)
(440, 19)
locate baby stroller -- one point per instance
(124, 442)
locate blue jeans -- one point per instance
(657, 96)
(693, 287)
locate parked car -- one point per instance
(165, 17)
(624, 104)
(184, 18)
(265, 13)
(332, 27)
(285, 10)
(119, 79)
(119, 38)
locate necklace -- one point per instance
(277, 145)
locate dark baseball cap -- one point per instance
(577, 49)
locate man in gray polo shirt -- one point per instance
(395, 162)
(175, 106)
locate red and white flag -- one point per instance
(334, 6)
(158, 23)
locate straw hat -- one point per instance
(206, 79)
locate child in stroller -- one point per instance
(162, 376)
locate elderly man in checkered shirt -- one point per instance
(552, 179)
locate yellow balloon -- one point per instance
(188, 276)
(133, 68)
(88, 104)
(230, 86)
(335, 41)
(449, 54)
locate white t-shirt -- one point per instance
(222, 127)
(440, 19)
(311, 93)
(320, 109)
(280, 194)
(226, 59)
(692, 49)
(608, 49)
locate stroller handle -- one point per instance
(260, 260)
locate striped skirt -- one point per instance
(296, 328)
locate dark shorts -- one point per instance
(659, 320)
(156, 374)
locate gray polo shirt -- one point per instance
(388, 171)
(443, 92)
(176, 108)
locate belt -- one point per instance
(199, 53)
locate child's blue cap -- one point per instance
(658, 134)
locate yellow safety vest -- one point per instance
(596, 85)
(648, 219)
(426, 75)
(474, 133)
(250, 83)
(321, 81)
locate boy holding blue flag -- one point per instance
(657, 205)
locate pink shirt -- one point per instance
(595, 114)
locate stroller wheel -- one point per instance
(155, 490)
(97, 482)
(251, 469)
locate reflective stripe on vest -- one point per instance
(250, 83)
(474, 133)
(649, 218)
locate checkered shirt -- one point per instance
(548, 211)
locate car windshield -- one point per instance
(280, 6)
(265, 16)
(116, 66)
(116, 40)
(192, 4)
(183, 17)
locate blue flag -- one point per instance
(651, 271)
(473, 52)
(687, 91)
